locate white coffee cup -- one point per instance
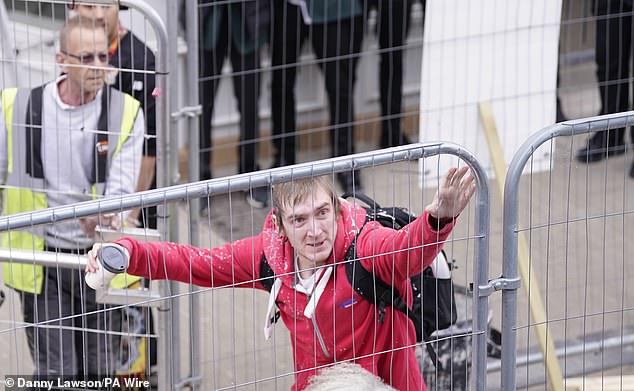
(113, 259)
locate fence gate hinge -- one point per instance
(498, 284)
(188, 111)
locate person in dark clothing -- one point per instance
(134, 64)
(613, 52)
(392, 26)
(335, 30)
(132, 53)
(237, 31)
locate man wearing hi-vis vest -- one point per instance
(70, 140)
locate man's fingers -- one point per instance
(115, 222)
(110, 220)
(449, 177)
(87, 225)
(470, 191)
(457, 178)
(92, 265)
(106, 219)
(465, 194)
(454, 176)
(466, 182)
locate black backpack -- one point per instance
(434, 305)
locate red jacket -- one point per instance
(385, 349)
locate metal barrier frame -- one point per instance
(510, 224)
(163, 151)
(273, 176)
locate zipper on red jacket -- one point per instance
(320, 338)
(313, 300)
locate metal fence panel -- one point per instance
(575, 221)
(29, 48)
(232, 352)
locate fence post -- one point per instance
(193, 124)
(164, 324)
(480, 298)
(510, 224)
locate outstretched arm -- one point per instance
(395, 255)
(231, 264)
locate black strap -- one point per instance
(33, 127)
(371, 288)
(100, 165)
(362, 197)
(381, 294)
(393, 217)
(267, 276)
(433, 356)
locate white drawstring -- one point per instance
(304, 8)
(309, 311)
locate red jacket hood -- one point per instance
(279, 252)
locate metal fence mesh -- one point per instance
(265, 84)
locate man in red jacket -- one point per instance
(304, 240)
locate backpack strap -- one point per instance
(33, 121)
(267, 276)
(100, 164)
(371, 288)
(267, 279)
(382, 295)
(362, 197)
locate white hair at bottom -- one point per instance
(346, 377)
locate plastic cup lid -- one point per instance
(113, 259)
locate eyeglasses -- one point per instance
(89, 58)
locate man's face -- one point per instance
(104, 16)
(311, 227)
(86, 50)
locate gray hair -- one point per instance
(76, 22)
(347, 377)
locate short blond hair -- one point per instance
(76, 22)
(288, 194)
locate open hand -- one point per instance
(453, 195)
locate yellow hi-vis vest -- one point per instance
(25, 184)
